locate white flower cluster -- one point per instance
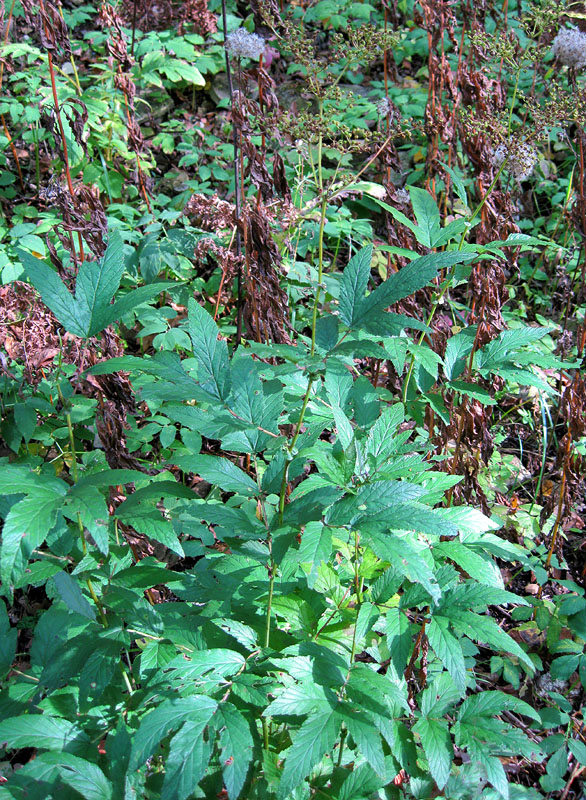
(384, 107)
(245, 45)
(520, 156)
(569, 47)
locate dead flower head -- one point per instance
(245, 45)
(569, 47)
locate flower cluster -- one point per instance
(569, 47)
(384, 107)
(245, 45)
(520, 158)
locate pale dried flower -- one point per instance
(384, 107)
(401, 196)
(569, 47)
(245, 45)
(520, 157)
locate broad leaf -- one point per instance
(168, 716)
(89, 311)
(210, 352)
(313, 740)
(221, 472)
(236, 745)
(437, 746)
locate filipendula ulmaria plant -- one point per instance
(328, 646)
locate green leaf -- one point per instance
(366, 736)
(300, 700)
(448, 649)
(53, 293)
(478, 566)
(379, 442)
(457, 350)
(316, 547)
(89, 311)
(427, 215)
(315, 738)
(215, 664)
(578, 750)
(90, 504)
(71, 594)
(189, 754)
(221, 472)
(8, 637)
(486, 629)
(437, 745)
(407, 281)
(502, 348)
(406, 559)
(210, 352)
(236, 745)
(26, 525)
(353, 285)
(83, 776)
(168, 716)
(43, 732)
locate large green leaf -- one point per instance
(189, 754)
(71, 594)
(43, 732)
(210, 352)
(236, 745)
(427, 215)
(83, 776)
(353, 285)
(448, 649)
(26, 525)
(8, 638)
(405, 558)
(89, 311)
(313, 740)
(316, 546)
(219, 471)
(168, 716)
(481, 628)
(437, 745)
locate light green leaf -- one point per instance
(437, 746)
(379, 442)
(300, 700)
(406, 559)
(448, 649)
(478, 566)
(315, 738)
(316, 547)
(90, 504)
(481, 628)
(26, 525)
(366, 736)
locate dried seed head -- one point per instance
(569, 47)
(384, 107)
(520, 156)
(245, 45)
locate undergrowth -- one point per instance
(293, 409)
